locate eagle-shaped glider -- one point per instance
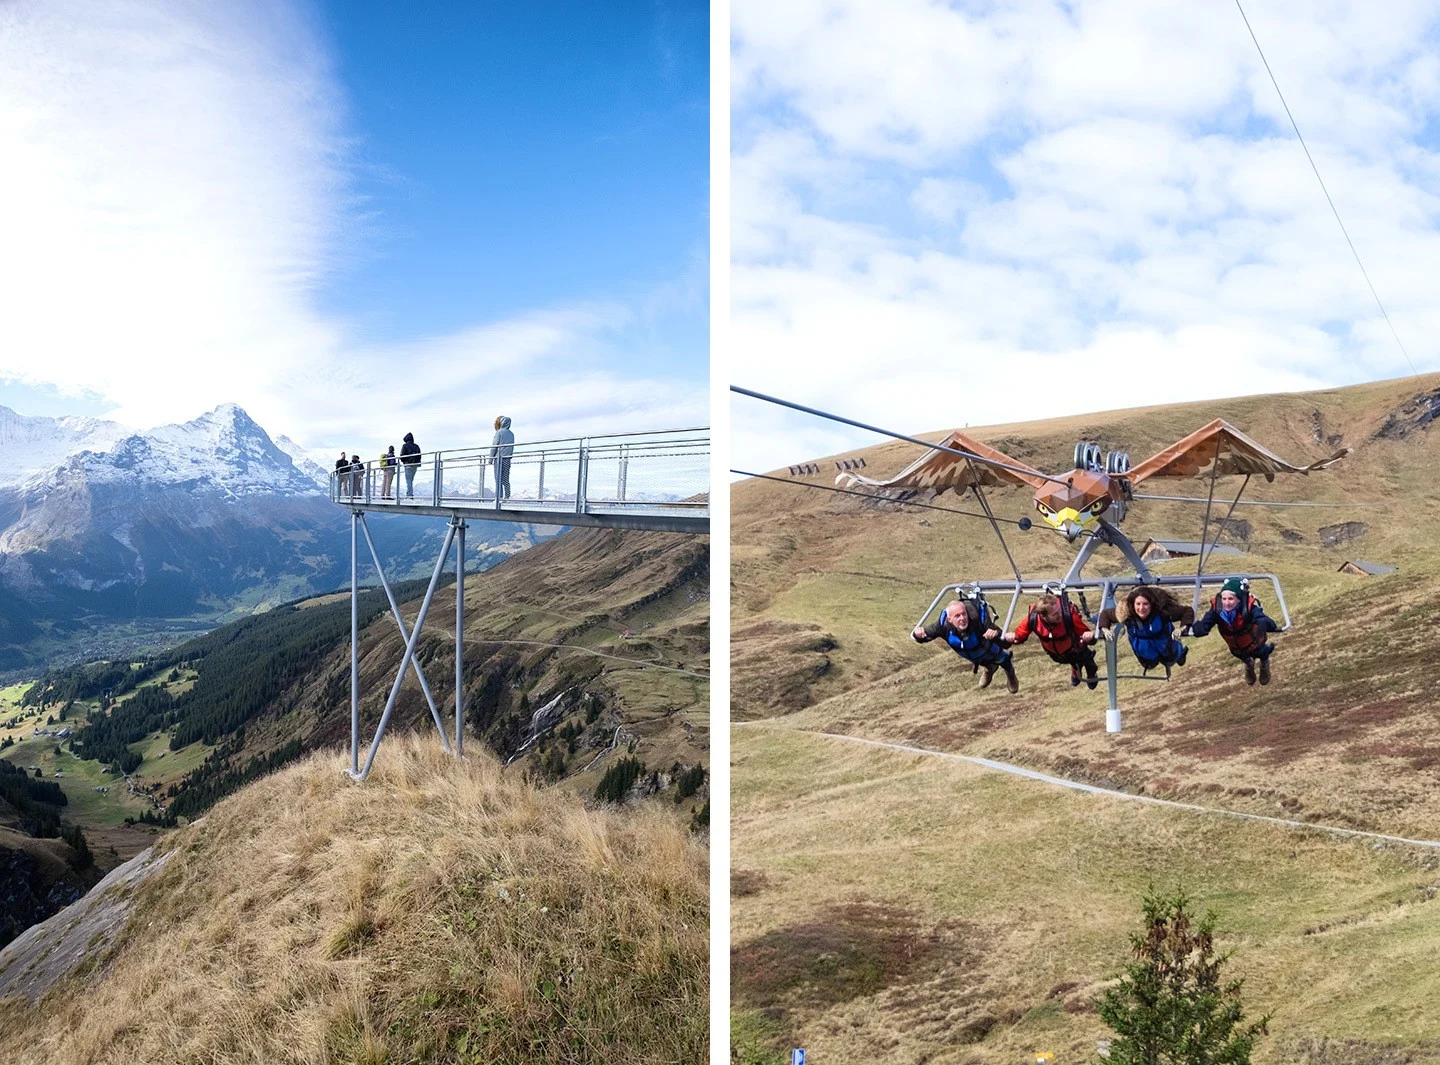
(1072, 502)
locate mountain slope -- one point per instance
(209, 519)
(442, 912)
(315, 465)
(606, 632)
(826, 590)
(32, 445)
(581, 652)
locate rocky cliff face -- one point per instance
(28, 893)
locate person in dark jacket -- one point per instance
(1064, 636)
(342, 474)
(501, 448)
(410, 462)
(1149, 620)
(1243, 626)
(357, 476)
(966, 625)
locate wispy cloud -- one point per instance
(975, 213)
(177, 187)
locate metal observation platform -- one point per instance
(656, 481)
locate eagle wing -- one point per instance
(1225, 449)
(942, 470)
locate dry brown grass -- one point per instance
(918, 909)
(439, 912)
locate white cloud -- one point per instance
(175, 189)
(952, 213)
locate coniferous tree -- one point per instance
(1171, 1006)
(618, 780)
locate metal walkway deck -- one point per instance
(658, 481)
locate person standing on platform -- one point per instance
(501, 448)
(342, 475)
(387, 463)
(410, 461)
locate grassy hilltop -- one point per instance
(446, 912)
(895, 908)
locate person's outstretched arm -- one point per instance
(1205, 624)
(1261, 620)
(932, 631)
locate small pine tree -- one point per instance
(1170, 1006)
(618, 780)
(73, 835)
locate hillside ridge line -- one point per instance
(1093, 789)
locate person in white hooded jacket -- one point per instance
(501, 448)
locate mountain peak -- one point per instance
(223, 449)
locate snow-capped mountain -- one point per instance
(308, 461)
(196, 520)
(31, 445)
(224, 451)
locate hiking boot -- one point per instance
(1249, 671)
(1184, 654)
(1012, 682)
(987, 676)
(1092, 676)
(1265, 670)
(1074, 676)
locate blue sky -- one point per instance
(968, 212)
(342, 214)
(514, 150)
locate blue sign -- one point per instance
(797, 1057)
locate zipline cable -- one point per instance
(1414, 372)
(1020, 524)
(1255, 502)
(898, 436)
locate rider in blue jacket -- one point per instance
(1150, 618)
(967, 626)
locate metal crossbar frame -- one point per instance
(454, 533)
(1018, 588)
(404, 633)
(1107, 586)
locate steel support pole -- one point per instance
(580, 485)
(1082, 556)
(404, 635)
(354, 642)
(1118, 540)
(1205, 530)
(1112, 658)
(459, 639)
(409, 653)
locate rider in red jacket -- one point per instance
(1063, 634)
(1243, 625)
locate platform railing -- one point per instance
(669, 469)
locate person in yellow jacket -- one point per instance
(387, 463)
